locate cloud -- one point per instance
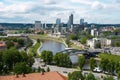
(97, 5)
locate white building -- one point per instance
(103, 41)
(94, 32)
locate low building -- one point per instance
(36, 76)
(2, 45)
(15, 35)
(103, 41)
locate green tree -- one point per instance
(103, 64)
(47, 56)
(108, 78)
(81, 61)
(30, 60)
(76, 75)
(73, 37)
(20, 42)
(67, 41)
(83, 40)
(48, 69)
(38, 40)
(39, 69)
(98, 45)
(92, 63)
(117, 44)
(9, 44)
(62, 60)
(90, 77)
(22, 68)
(118, 75)
(11, 57)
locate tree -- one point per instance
(11, 57)
(98, 45)
(20, 42)
(9, 44)
(76, 75)
(39, 69)
(90, 77)
(117, 44)
(30, 60)
(47, 56)
(73, 37)
(81, 61)
(108, 78)
(62, 59)
(92, 63)
(68, 42)
(38, 40)
(103, 64)
(118, 75)
(48, 69)
(83, 40)
(21, 68)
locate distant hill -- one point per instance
(24, 26)
(15, 25)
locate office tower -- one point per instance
(70, 21)
(81, 21)
(58, 21)
(38, 25)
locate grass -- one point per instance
(115, 58)
(33, 49)
(45, 37)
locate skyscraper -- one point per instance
(38, 25)
(58, 21)
(70, 21)
(81, 21)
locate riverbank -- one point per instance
(34, 49)
(39, 49)
(45, 37)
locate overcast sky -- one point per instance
(27, 11)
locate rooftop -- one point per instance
(36, 76)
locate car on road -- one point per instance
(97, 69)
(64, 71)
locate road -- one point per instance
(65, 71)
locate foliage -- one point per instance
(9, 44)
(90, 77)
(48, 69)
(98, 45)
(115, 58)
(116, 44)
(12, 56)
(92, 63)
(67, 41)
(62, 60)
(108, 78)
(81, 61)
(73, 37)
(22, 68)
(83, 40)
(76, 75)
(47, 56)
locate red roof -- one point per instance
(36, 76)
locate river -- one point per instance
(56, 47)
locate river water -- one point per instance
(56, 47)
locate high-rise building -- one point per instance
(58, 21)
(81, 21)
(38, 25)
(70, 21)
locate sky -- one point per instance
(46, 11)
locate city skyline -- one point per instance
(47, 11)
